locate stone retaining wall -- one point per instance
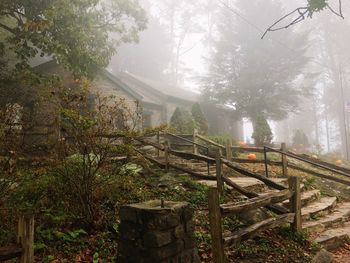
(149, 233)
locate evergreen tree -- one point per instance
(262, 132)
(251, 75)
(182, 121)
(199, 119)
(300, 139)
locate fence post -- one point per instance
(295, 202)
(215, 226)
(219, 182)
(166, 155)
(265, 159)
(284, 160)
(229, 150)
(25, 237)
(195, 148)
(158, 141)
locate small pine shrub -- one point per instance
(199, 119)
(182, 121)
(262, 132)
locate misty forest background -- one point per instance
(215, 47)
(294, 81)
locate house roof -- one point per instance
(161, 89)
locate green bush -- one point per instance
(182, 121)
(262, 132)
(199, 119)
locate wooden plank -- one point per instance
(248, 173)
(284, 160)
(25, 237)
(195, 147)
(253, 230)
(215, 222)
(274, 208)
(158, 143)
(255, 203)
(166, 155)
(323, 176)
(295, 202)
(10, 252)
(210, 142)
(191, 156)
(266, 164)
(219, 182)
(229, 150)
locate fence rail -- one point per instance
(218, 211)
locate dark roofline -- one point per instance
(122, 85)
(156, 91)
(145, 85)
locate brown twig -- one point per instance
(303, 13)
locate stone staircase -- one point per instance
(326, 219)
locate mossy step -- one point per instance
(321, 207)
(307, 197)
(340, 215)
(334, 238)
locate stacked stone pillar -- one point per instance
(150, 233)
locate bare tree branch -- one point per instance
(304, 12)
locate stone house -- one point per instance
(157, 100)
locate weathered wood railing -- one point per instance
(24, 249)
(217, 212)
(324, 166)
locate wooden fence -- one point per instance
(24, 249)
(217, 212)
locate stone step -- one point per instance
(335, 237)
(340, 215)
(245, 182)
(321, 207)
(306, 198)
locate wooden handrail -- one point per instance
(210, 141)
(255, 203)
(250, 194)
(248, 173)
(192, 156)
(217, 212)
(323, 176)
(187, 140)
(292, 155)
(330, 165)
(252, 230)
